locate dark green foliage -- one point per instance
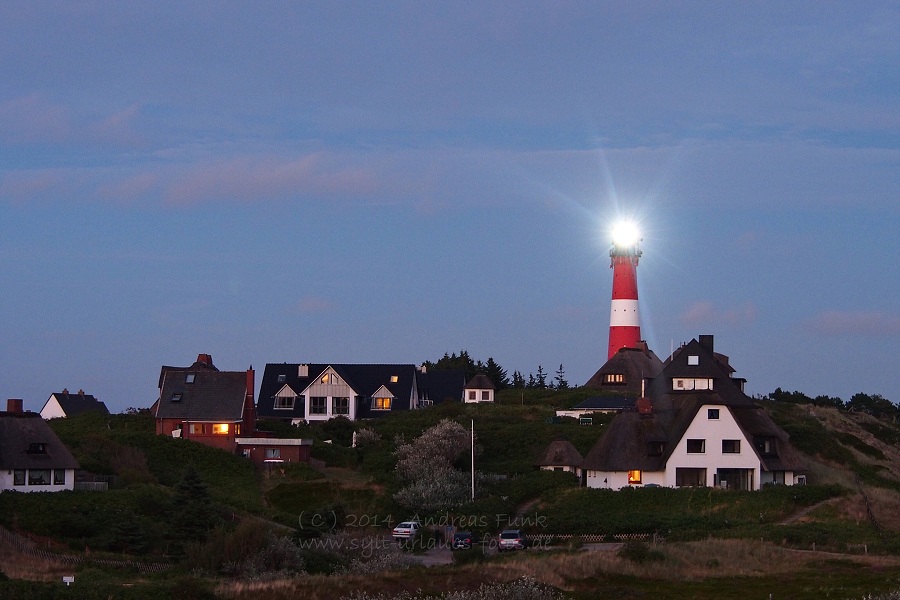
(640, 552)
(91, 584)
(848, 439)
(192, 512)
(688, 513)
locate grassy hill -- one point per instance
(851, 506)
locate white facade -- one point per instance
(33, 480)
(52, 409)
(328, 397)
(478, 395)
(724, 450)
(616, 480)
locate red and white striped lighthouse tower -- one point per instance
(624, 321)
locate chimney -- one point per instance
(65, 391)
(706, 341)
(303, 371)
(249, 426)
(81, 392)
(14, 405)
(205, 359)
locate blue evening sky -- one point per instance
(389, 181)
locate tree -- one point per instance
(192, 510)
(518, 380)
(560, 379)
(427, 466)
(496, 373)
(540, 381)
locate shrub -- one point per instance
(640, 552)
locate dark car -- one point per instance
(462, 540)
(511, 539)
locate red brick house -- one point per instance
(216, 408)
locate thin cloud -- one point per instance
(841, 323)
(255, 178)
(704, 313)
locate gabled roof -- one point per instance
(710, 365)
(20, 432)
(560, 453)
(363, 379)
(636, 364)
(481, 382)
(213, 395)
(440, 385)
(204, 362)
(74, 404)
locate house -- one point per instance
(695, 427)
(64, 404)
(32, 457)
(626, 371)
(206, 405)
(480, 389)
(560, 455)
(306, 392)
(597, 404)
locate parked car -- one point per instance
(511, 539)
(462, 540)
(407, 530)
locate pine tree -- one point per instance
(497, 374)
(560, 379)
(518, 380)
(541, 378)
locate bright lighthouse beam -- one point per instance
(625, 234)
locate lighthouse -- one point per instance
(624, 321)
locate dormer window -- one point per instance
(614, 378)
(189, 378)
(36, 448)
(381, 403)
(655, 448)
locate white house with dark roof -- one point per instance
(304, 392)
(32, 457)
(696, 427)
(480, 389)
(64, 404)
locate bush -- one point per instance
(639, 552)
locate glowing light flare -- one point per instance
(625, 234)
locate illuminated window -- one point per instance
(696, 446)
(614, 378)
(395, 378)
(341, 405)
(318, 405)
(326, 378)
(634, 477)
(220, 428)
(731, 446)
(381, 403)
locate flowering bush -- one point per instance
(427, 464)
(367, 437)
